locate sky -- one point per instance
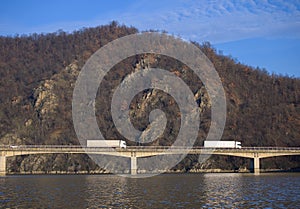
(258, 33)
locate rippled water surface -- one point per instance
(164, 191)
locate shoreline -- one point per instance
(202, 171)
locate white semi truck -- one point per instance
(222, 144)
(106, 143)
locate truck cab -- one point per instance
(123, 144)
(238, 145)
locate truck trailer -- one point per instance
(222, 144)
(106, 143)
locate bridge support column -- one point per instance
(133, 166)
(133, 163)
(256, 165)
(2, 165)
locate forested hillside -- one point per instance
(37, 76)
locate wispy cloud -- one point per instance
(222, 20)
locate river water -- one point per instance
(281, 190)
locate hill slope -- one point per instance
(37, 76)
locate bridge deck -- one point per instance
(146, 151)
(18, 147)
(135, 152)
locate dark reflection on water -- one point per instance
(165, 191)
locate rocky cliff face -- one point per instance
(46, 101)
(46, 97)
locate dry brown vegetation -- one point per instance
(37, 74)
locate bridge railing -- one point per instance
(158, 148)
(270, 148)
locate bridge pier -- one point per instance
(2, 165)
(133, 163)
(256, 167)
(133, 166)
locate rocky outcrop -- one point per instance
(203, 99)
(46, 99)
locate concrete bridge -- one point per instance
(132, 152)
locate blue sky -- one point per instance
(263, 33)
